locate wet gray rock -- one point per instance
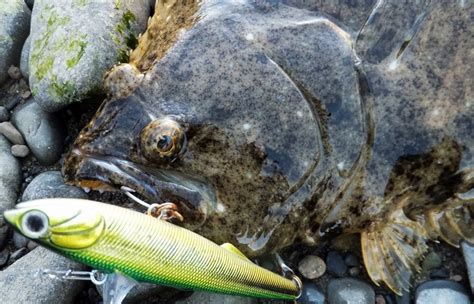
(50, 184)
(14, 28)
(335, 264)
(352, 14)
(344, 291)
(4, 114)
(11, 133)
(20, 150)
(43, 289)
(468, 252)
(441, 292)
(43, 131)
(19, 241)
(92, 36)
(4, 255)
(10, 176)
(3, 232)
(212, 298)
(24, 60)
(311, 294)
(431, 261)
(312, 267)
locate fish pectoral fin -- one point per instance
(393, 251)
(234, 250)
(452, 224)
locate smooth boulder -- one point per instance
(74, 43)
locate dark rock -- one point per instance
(17, 254)
(19, 240)
(212, 298)
(335, 264)
(4, 114)
(4, 255)
(311, 294)
(431, 261)
(312, 267)
(43, 131)
(49, 185)
(441, 292)
(441, 273)
(3, 233)
(351, 260)
(343, 291)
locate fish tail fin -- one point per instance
(452, 224)
(392, 251)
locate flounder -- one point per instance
(267, 123)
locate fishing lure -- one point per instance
(114, 239)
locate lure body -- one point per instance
(111, 238)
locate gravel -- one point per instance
(11, 133)
(441, 292)
(20, 151)
(10, 176)
(312, 267)
(344, 291)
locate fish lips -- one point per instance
(109, 173)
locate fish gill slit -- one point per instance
(317, 111)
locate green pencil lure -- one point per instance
(111, 238)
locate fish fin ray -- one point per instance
(234, 250)
(393, 251)
(453, 224)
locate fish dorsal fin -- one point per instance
(234, 250)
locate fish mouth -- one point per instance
(193, 196)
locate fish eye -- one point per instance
(162, 139)
(34, 224)
(165, 143)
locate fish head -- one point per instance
(57, 223)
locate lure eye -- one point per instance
(162, 139)
(34, 224)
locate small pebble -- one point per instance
(456, 278)
(4, 255)
(354, 271)
(14, 72)
(351, 260)
(31, 245)
(379, 299)
(431, 261)
(312, 267)
(4, 114)
(11, 133)
(25, 94)
(20, 150)
(335, 264)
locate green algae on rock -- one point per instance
(74, 44)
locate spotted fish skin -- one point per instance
(111, 238)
